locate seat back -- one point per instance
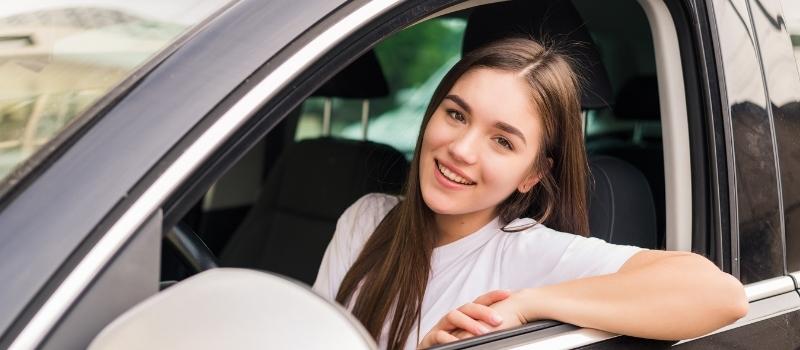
(638, 102)
(313, 182)
(621, 208)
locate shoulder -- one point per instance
(559, 247)
(560, 256)
(535, 234)
(370, 206)
(363, 216)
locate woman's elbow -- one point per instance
(736, 303)
(725, 293)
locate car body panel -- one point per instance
(783, 89)
(755, 209)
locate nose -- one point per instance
(464, 148)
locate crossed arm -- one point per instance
(655, 294)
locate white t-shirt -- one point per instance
(486, 260)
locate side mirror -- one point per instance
(228, 308)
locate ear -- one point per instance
(533, 178)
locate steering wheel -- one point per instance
(191, 248)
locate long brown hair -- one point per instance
(391, 272)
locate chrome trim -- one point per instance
(83, 274)
(768, 288)
(569, 340)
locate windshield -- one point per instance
(57, 57)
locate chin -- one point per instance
(440, 204)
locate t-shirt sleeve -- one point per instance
(543, 256)
(353, 229)
(585, 257)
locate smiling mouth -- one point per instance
(452, 176)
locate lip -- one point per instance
(447, 182)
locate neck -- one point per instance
(454, 227)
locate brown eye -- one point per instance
(456, 115)
(502, 141)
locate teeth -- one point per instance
(452, 176)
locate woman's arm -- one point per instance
(655, 294)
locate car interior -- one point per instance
(276, 209)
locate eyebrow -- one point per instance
(511, 130)
(461, 103)
(500, 125)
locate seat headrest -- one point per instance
(621, 207)
(361, 79)
(638, 99)
(544, 20)
(335, 172)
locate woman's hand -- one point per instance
(509, 309)
(469, 320)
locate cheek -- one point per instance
(436, 134)
(506, 173)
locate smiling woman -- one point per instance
(501, 146)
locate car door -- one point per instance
(759, 76)
(370, 23)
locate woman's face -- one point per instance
(480, 144)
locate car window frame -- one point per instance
(556, 333)
(553, 332)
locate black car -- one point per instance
(142, 144)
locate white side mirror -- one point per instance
(234, 309)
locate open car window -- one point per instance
(292, 189)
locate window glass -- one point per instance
(57, 57)
(791, 15)
(783, 83)
(413, 62)
(760, 239)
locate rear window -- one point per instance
(58, 57)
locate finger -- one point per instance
(492, 297)
(482, 313)
(462, 334)
(442, 337)
(459, 320)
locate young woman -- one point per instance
(479, 242)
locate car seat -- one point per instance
(311, 184)
(638, 102)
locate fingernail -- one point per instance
(497, 319)
(483, 329)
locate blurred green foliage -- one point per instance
(409, 57)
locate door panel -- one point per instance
(130, 278)
(783, 90)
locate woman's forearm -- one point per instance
(657, 295)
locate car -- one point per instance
(151, 152)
